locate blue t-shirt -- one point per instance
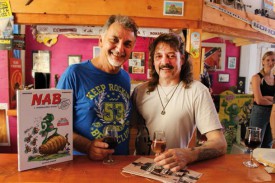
(99, 99)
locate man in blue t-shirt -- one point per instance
(101, 90)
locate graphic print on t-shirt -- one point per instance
(112, 106)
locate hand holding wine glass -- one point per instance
(252, 140)
(159, 142)
(110, 136)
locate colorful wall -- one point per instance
(73, 46)
(84, 47)
(231, 51)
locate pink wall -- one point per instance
(231, 51)
(68, 46)
(4, 98)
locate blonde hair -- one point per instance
(269, 53)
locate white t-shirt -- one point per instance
(187, 109)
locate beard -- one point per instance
(116, 62)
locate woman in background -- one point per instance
(263, 88)
(272, 122)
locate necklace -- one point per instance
(164, 106)
(166, 99)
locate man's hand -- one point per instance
(174, 159)
(98, 150)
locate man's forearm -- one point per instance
(209, 150)
(81, 143)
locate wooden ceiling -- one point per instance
(147, 13)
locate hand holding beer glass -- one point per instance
(159, 142)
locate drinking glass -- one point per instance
(159, 142)
(252, 140)
(110, 137)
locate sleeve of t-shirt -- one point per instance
(66, 80)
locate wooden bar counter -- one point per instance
(225, 169)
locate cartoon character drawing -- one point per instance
(232, 111)
(33, 142)
(54, 144)
(27, 148)
(47, 126)
(28, 138)
(35, 130)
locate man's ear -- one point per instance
(100, 40)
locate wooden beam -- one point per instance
(241, 33)
(147, 13)
(215, 21)
(98, 20)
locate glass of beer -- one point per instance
(159, 142)
(110, 136)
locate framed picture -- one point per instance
(173, 8)
(138, 55)
(73, 59)
(214, 56)
(96, 51)
(223, 78)
(138, 69)
(41, 61)
(4, 125)
(231, 63)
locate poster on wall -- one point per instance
(173, 8)
(41, 61)
(15, 80)
(6, 25)
(195, 45)
(136, 63)
(214, 56)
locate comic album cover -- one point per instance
(44, 127)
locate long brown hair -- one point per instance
(175, 42)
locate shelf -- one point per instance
(12, 112)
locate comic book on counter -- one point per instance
(145, 167)
(44, 127)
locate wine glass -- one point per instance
(252, 140)
(159, 142)
(110, 137)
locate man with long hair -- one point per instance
(175, 103)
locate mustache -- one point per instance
(168, 66)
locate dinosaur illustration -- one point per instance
(47, 126)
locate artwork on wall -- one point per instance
(223, 78)
(214, 56)
(241, 85)
(4, 125)
(41, 61)
(73, 59)
(96, 51)
(231, 63)
(136, 63)
(173, 8)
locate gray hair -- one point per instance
(125, 21)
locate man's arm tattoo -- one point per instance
(208, 154)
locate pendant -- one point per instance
(163, 112)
